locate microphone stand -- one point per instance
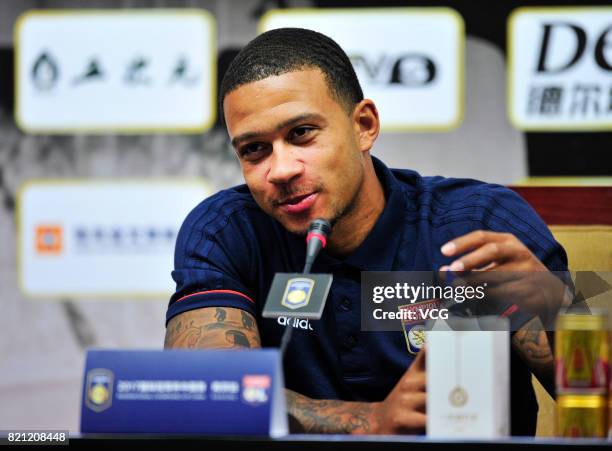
(319, 228)
(286, 338)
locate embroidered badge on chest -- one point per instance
(414, 329)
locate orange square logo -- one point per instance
(49, 239)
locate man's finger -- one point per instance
(491, 252)
(491, 278)
(419, 362)
(471, 241)
(411, 422)
(414, 382)
(414, 401)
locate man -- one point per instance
(303, 132)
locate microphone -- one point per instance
(315, 241)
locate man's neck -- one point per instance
(352, 229)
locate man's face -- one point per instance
(298, 147)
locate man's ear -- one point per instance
(366, 123)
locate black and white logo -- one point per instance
(561, 68)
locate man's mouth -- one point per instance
(297, 204)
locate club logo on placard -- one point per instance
(297, 293)
(255, 388)
(49, 239)
(99, 389)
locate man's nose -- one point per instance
(284, 165)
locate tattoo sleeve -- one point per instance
(220, 327)
(214, 327)
(327, 416)
(532, 344)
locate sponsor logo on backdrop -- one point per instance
(256, 388)
(99, 389)
(65, 82)
(101, 238)
(123, 238)
(46, 70)
(561, 68)
(408, 69)
(410, 61)
(49, 239)
(97, 238)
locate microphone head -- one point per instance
(319, 228)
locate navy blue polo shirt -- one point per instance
(228, 251)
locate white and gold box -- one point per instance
(468, 378)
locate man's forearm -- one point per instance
(532, 344)
(221, 328)
(318, 416)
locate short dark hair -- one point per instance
(284, 50)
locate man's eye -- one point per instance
(300, 133)
(252, 151)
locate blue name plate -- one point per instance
(184, 392)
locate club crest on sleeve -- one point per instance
(297, 292)
(99, 389)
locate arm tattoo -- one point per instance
(531, 343)
(220, 314)
(217, 327)
(222, 327)
(327, 416)
(237, 338)
(247, 320)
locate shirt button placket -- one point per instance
(345, 305)
(351, 341)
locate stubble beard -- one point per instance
(338, 212)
